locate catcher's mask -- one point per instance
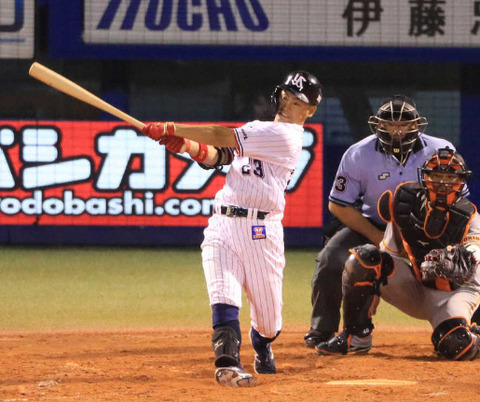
(396, 125)
(303, 85)
(444, 176)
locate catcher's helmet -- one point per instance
(444, 176)
(303, 85)
(401, 111)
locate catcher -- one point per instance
(426, 265)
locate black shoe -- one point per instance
(264, 361)
(314, 337)
(345, 343)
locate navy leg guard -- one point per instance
(226, 315)
(226, 337)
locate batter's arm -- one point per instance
(202, 153)
(212, 154)
(211, 134)
(353, 218)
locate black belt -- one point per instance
(240, 212)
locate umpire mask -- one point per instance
(396, 125)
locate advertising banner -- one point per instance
(440, 23)
(77, 173)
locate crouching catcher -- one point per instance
(426, 265)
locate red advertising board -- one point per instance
(81, 173)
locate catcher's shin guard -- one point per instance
(365, 271)
(226, 346)
(454, 341)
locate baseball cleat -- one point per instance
(264, 361)
(234, 377)
(345, 343)
(313, 338)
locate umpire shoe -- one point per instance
(234, 376)
(345, 343)
(264, 361)
(313, 337)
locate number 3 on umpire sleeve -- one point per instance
(341, 183)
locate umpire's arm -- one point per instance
(354, 219)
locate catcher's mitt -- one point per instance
(453, 263)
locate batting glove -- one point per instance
(175, 144)
(159, 130)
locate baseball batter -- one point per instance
(380, 162)
(438, 233)
(243, 248)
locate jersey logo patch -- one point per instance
(259, 232)
(383, 176)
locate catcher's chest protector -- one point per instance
(410, 215)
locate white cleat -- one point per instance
(234, 377)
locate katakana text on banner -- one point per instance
(104, 173)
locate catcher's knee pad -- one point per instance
(226, 346)
(368, 266)
(453, 340)
(365, 270)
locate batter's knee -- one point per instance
(453, 339)
(267, 333)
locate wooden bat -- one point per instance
(63, 84)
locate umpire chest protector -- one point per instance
(423, 229)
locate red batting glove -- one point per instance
(158, 130)
(174, 144)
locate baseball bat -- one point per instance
(64, 85)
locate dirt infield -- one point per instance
(177, 365)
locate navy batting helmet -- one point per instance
(303, 85)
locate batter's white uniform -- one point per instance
(409, 295)
(247, 252)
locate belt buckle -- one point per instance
(229, 212)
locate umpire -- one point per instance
(379, 162)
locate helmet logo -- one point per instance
(298, 81)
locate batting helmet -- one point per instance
(398, 111)
(444, 176)
(303, 85)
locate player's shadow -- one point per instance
(430, 357)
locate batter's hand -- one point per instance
(453, 263)
(174, 144)
(158, 130)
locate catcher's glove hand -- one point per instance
(453, 263)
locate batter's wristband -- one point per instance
(169, 128)
(202, 153)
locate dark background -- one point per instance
(232, 86)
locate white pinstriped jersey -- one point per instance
(267, 155)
